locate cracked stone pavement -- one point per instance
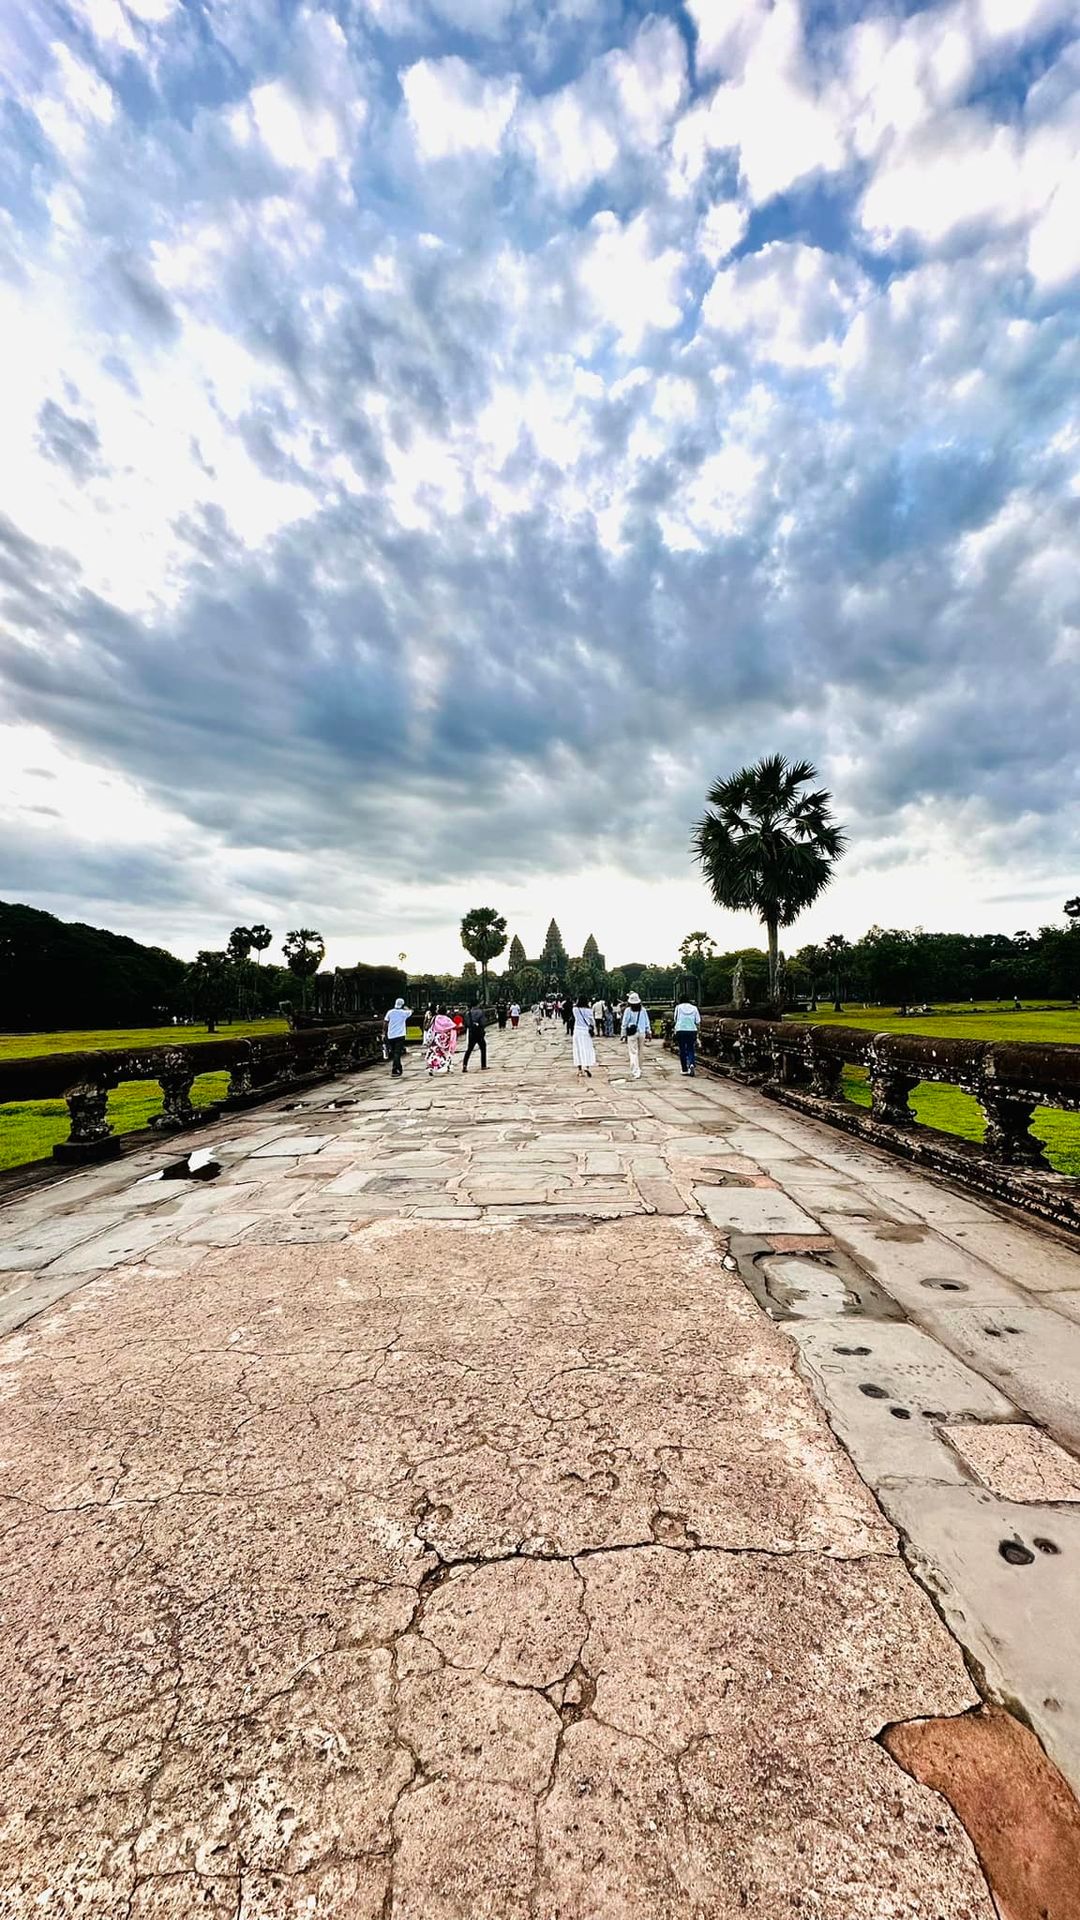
(452, 1510)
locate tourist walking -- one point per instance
(502, 1012)
(395, 1023)
(584, 1029)
(687, 1022)
(476, 1028)
(568, 1015)
(636, 1027)
(598, 1016)
(609, 1020)
(443, 1043)
(515, 1015)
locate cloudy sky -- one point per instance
(441, 436)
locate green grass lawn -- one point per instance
(946, 1107)
(1035, 1022)
(26, 1046)
(29, 1129)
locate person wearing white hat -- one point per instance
(395, 1023)
(636, 1027)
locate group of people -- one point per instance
(583, 1019)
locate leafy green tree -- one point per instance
(517, 957)
(767, 846)
(528, 985)
(814, 966)
(1072, 909)
(208, 980)
(240, 943)
(483, 934)
(304, 951)
(554, 961)
(260, 939)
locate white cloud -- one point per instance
(297, 134)
(790, 304)
(773, 116)
(628, 285)
(454, 109)
(720, 231)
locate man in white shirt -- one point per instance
(598, 1015)
(636, 1027)
(687, 1022)
(394, 1025)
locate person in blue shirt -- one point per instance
(636, 1027)
(687, 1022)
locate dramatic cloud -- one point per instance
(440, 438)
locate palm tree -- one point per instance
(260, 938)
(837, 950)
(483, 934)
(304, 951)
(766, 846)
(240, 943)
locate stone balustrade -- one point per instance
(804, 1065)
(258, 1069)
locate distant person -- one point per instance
(515, 1015)
(598, 1016)
(568, 1015)
(395, 1023)
(687, 1023)
(476, 1028)
(609, 1020)
(443, 1043)
(502, 1012)
(636, 1027)
(459, 1020)
(584, 1029)
(540, 1011)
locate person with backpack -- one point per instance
(476, 1028)
(636, 1027)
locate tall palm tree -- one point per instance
(837, 950)
(768, 847)
(260, 938)
(483, 934)
(304, 949)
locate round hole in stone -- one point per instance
(872, 1392)
(1016, 1553)
(946, 1286)
(929, 1413)
(994, 1332)
(1046, 1546)
(860, 1351)
(900, 1413)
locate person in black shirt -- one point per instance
(476, 1027)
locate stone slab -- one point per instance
(1033, 1259)
(1031, 1352)
(754, 1210)
(920, 1268)
(887, 1388)
(1020, 1621)
(291, 1145)
(1017, 1462)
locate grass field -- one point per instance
(26, 1046)
(30, 1129)
(946, 1107)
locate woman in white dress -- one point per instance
(584, 1028)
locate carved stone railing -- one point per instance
(804, 1064)
(258, 1069)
